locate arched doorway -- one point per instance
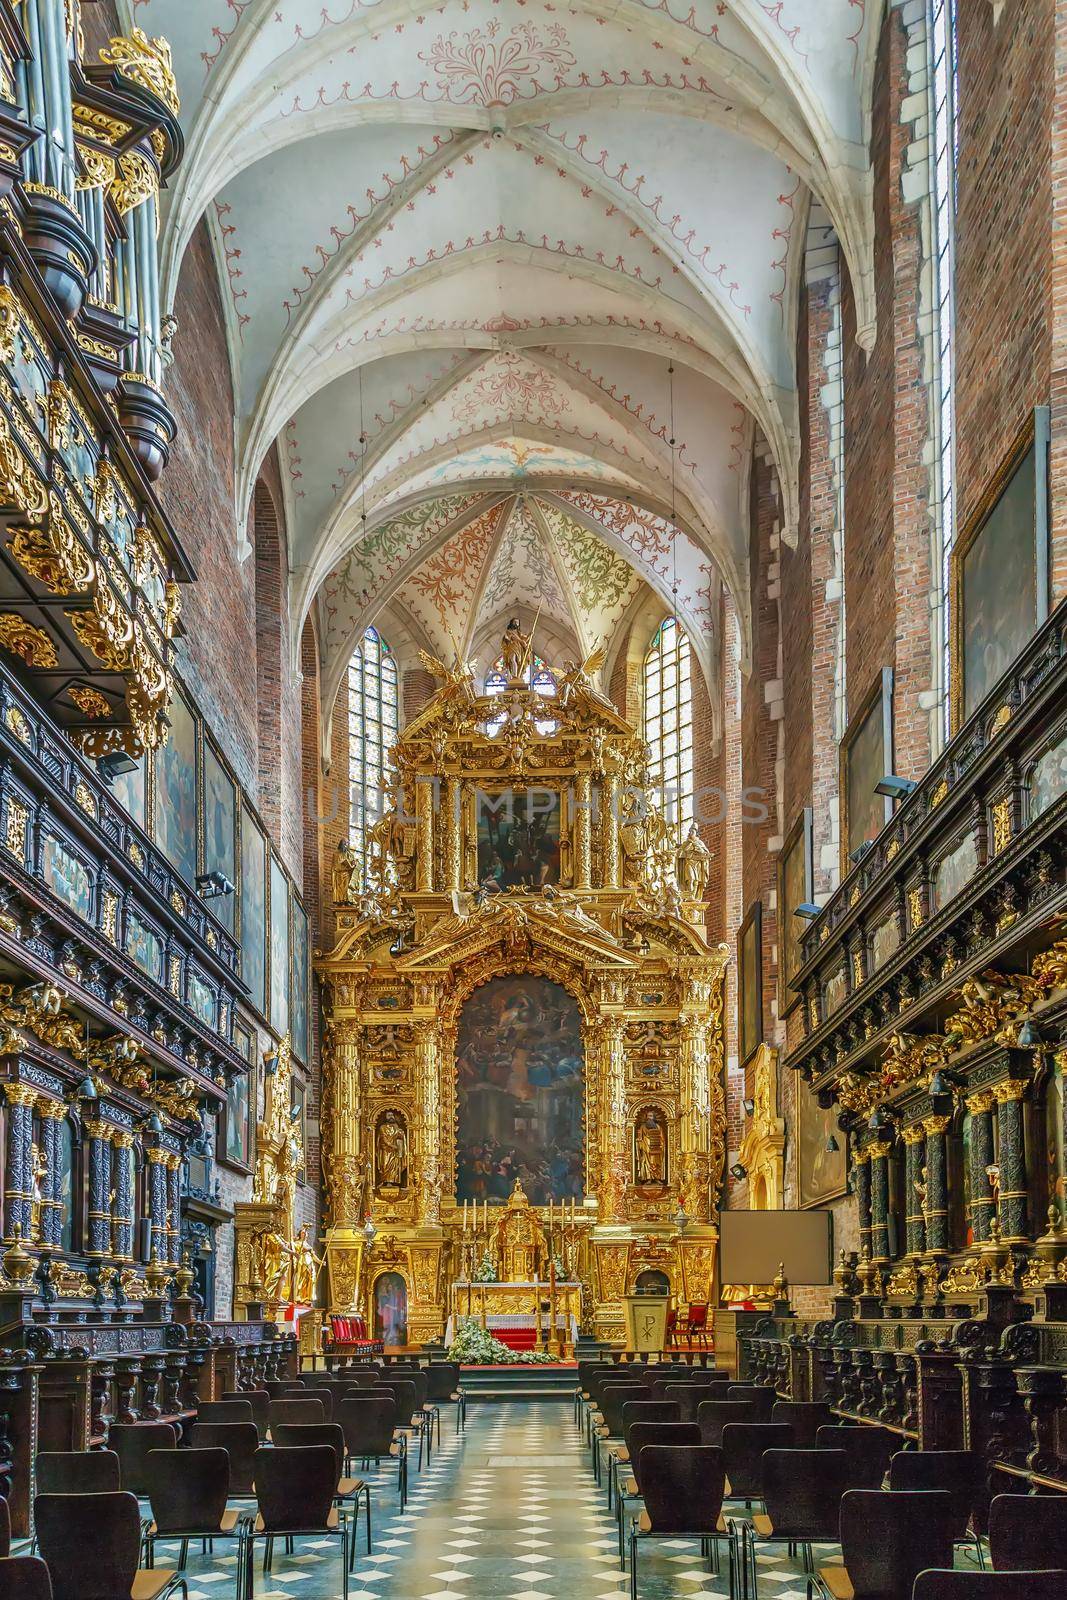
(652, 1281)
(391, 1308)
(520, 1070)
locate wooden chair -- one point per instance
(77, 1472)
(325, 1395)
(802, 1491)
(368, 1423)
(960, 1473)
(240, 1440)
(714, 1415)
(444, 1388)
(743, 1444)
(638, 1434)
(759, 1396)
(295, 1493)
(295, 1411)
(259, 1400)
(634, 1411)
(937, 1584)
(188, 1491)
(694, 1324)
(225, 1411)
(349, 1491)
(682, 1488)
(24, 1578)
(1027, 1530)
(91, 1544)
(805, 1417)
(132, 1442)
(868, 1450)
(887, 1538)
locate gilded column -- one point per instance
(99, 1134)
(613, 1132)
(861, 1167)
(174, 1212)
(157, 1200)
(424, 799)
(694, 1135)
(609, 830)
(342, 1167)
(453, 817)
(915, 1215)
(937, 1237)
(122, 1221)
(18, 1177)
(51, 1113)
(879, 1153)
(583, 862)
(427, 1174)
(1012, 1197)
(980, 1106)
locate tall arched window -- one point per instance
(668, 699)
(373, 724)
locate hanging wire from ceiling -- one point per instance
(362, 458)
(674, 493)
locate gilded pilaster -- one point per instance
(51, 1113)
(122, 1222)
(611, 1188)
(157, 1200)
(424, 798)
(609, 830)
(861, 1168)
(583, 861)
(695, 1119)
(174, 1162)
(915, 1188)
(427, 1174)
(342, 1164)
(1013, 1196)
(18, 1177)
(453, 818)
(980, 1106)
(99, 1135)
(937, 1236)
(879, 1154)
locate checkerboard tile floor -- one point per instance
(506, 1511)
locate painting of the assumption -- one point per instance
(519, 1067)
(518, 838)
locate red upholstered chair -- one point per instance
(695, 1323)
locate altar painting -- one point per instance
(519, 1067)
(518, 838)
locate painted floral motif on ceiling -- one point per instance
(486, 67)
(510, 385)
(441, 591)
(523, 573)
(601, 580)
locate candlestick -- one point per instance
(464, 1218)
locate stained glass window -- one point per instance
(536, 674)
(944, 81)
(668, 697)
(373, 724)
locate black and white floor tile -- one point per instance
(506, 1511)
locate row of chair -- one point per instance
(687, 1446)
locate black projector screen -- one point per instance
(752, 1244)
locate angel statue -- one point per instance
(578, 680)
(457, 679)
(570, 912)
(514, 649)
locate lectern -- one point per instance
(646, 1322)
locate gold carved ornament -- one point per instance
(146, 62)
(31, 644)
(89, 701)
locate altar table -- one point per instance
(507, 1308)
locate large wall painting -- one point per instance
(174, 812)
(520, 1070)
(518, 838)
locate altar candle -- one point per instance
(464, 1216)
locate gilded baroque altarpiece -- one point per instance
(550, 798)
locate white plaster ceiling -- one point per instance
(460, 249)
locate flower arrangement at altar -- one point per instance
(485, 1271)
(476, 1346)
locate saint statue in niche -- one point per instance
(391, 1151)
(650, 1149)
(514, 649)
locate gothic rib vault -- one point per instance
(460, 248)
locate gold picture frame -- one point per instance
(1014, 491)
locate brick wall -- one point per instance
(1004, 281)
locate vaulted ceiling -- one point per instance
(460, 248)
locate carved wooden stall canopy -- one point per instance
(593, 925)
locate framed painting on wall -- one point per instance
(519, 838)
(298, 1105)
(279, 948)
(795, 887)
(866, 757)
(219, 808)
(234, 1144)
(999, 588)
(820, 1151)
(174, 791)
(253, 909)
(750, 983)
